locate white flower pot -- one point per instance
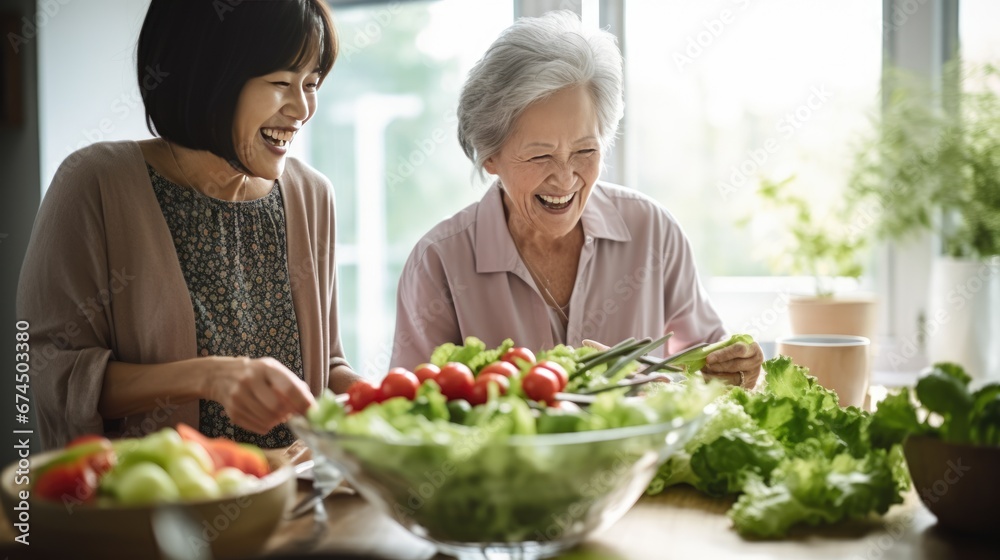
(963, 316)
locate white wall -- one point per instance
(86, 77)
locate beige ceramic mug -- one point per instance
(839, 362)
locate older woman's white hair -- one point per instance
(532, 59)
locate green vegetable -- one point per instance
(145, 483)
(695, 360)
(794, 455)
(945, 407)
(473, 354)
(461, 480)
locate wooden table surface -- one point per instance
(680, 523)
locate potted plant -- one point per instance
(818, 244)
(933, 164)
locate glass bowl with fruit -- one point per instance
(101, 496)
(484, 460)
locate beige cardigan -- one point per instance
(101, 281)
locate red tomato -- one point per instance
(519, 353)
(227, 453)
(102, 461)
(541, 384)
(362, 393)
(426, 371)
(505, 369)
(556, 369)
(480, 391)
(456, 380)
(400, 383)
(73, 481)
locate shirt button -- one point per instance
(590, 239)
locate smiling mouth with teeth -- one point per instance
(555, 202)
(277, 137)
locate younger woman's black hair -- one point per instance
(194, 57)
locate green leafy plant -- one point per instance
(932, 162)
(945, 408)
(792, 454)
(814, 244)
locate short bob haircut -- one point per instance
(532, 59)
(194, 57)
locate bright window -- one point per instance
(977, 23)
(385, 135)
(721, 92)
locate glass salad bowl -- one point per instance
(517, 496)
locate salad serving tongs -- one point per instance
(327, 480)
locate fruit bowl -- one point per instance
(234, 526)
(511, 497)
(957, 482)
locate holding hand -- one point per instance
(738, 364)
(258, 394)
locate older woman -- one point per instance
(191, 277)
(550, 254)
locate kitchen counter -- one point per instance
(680, 523)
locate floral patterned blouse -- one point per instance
(233, 256)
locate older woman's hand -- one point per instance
(258, 394)
(727, 363)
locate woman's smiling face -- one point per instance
(549, 164)
(270, 111)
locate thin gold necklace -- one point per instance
(190, 184)
(552, 301)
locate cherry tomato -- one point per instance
(456, 380)
(505, 369)
(519, 353)
(480, 391)
(400, 382)
(362, 393)
(426, 371)
(541, 384)
(557, 369)
(73, 481)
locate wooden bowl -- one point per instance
(235, 526)
(959, 483)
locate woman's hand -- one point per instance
(727, 363)
(258, 394)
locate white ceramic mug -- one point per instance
(838, 362)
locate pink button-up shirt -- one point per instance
(636, 278)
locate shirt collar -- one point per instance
(495, 250)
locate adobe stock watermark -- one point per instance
(786, 127)
(957, 298)
(122, 106)
(624, 289)
(88, 309)
(600, 484)
(758, 325)
(873, 207)
(154, 419)
(438, 477)
(47, 10)
(423, 149)
(370, 33)
(427, 312)
(879, 545)
(713, 28)
(900, 14)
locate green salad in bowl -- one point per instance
(510, 476)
